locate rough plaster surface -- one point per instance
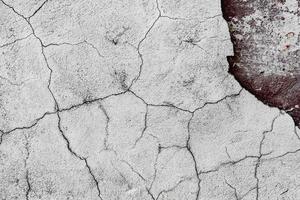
(132, 100)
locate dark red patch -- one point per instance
(259, 48)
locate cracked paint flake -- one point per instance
(131, 100)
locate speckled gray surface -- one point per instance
(132, 100)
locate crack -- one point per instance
(220, 100)
(86, 102)
(188, 140)
(171, 18)
(261, 154)
(234, 190)
(145, 36)
(66, 139)
(78, 156)
(106, 145)
(196, 173)
(296, 132)
(16, 40)
(26, 18)
(257, 179)
(146, 114)
(214, 16)
(142, 62)
(228, 155)
(139, 46)
(179, 18)
(94, 178)
(179, 182)
(188, 147)
(170, 105)
(228, 163)
(173, 188)
(81, 158)
(282, 193)
(188, 111)
(63, 43)
(155, 169)
(13, 9)
(43, 53)
(189, 136)
(282, 155)
(75, 44)
(28, 190)
(35, 121)
(182, 18)
(37, 9)
(132, 169)
(144, 129)
(194, 43)
(24, 127)
(242, 197)
(184, 110)
(157, 7)
(172, 147)
(236, 193)
(108, 119)
(94, 47)
(49, 80)
(28, 185)
(151, 195)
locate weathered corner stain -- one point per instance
(266, 51)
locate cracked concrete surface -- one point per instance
(132, 100)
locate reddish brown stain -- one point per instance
(258, 49)
(239, 10)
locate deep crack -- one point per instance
(78, 156)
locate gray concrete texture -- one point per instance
(132, 100)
